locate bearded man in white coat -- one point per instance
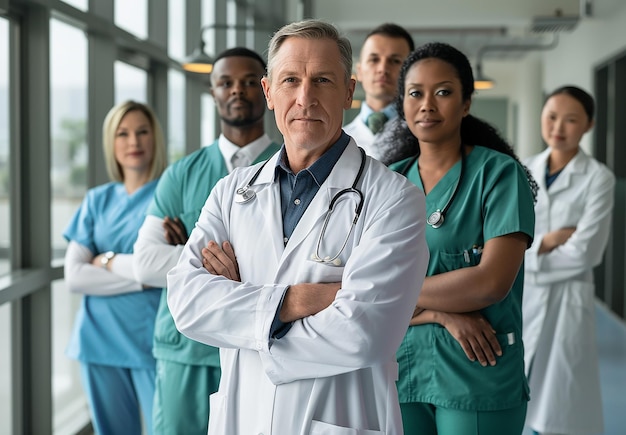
(308, 306)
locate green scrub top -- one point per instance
(182, 191)
(493, 199)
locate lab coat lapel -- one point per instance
(341, 177)
(268, 199)
(575, 166)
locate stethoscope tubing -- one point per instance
(437, 218)
(245, 194)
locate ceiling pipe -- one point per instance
(483, 83)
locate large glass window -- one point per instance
(176, 31)
(6, 412)
(6, 424)
(176, 122)
(5, 204)
(208, 119)
(132, 16)
(68, 112)
(131, 83)
(70, 408)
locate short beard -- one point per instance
(241, 122)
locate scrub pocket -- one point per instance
(458, 260)
(471, 386)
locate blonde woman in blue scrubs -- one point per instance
(113, 331)
(462, 359)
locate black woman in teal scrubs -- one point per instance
(462, 359)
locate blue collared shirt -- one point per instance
(298, 190)
(296, 193)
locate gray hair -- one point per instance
(310, 29)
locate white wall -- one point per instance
(594, 41)
(520, 82)
(524, 82)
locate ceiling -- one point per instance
(497, 29)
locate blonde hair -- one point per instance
(310, 29)
(109, 129)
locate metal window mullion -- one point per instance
(31, 315)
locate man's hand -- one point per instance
(221, 260)
(175, 232)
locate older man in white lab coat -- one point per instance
(310, 312)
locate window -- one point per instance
(70, 408)
(131, 83)
(68, 112)
(208, 120)
(176, 121)
(68, 172)
(132, 16)
(176, 33)
(6, 423)
(5, 173)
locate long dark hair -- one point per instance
(474, 131)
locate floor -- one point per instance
(611, 333)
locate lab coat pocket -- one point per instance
(575, 321)
(219, 417)
(321, 428)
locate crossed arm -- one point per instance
(453, 299)
(301, 300)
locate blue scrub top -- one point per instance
(113, 330)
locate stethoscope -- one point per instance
(245, 194)
(436, 218)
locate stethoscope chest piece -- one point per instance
(435, 219)
(244, 194)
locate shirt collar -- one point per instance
(321, 168)
(366, 111)
(251, 150)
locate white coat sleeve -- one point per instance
(585, 248)
(209, 308)
(153, 256)
(83, 277)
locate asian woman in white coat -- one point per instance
(573, 219)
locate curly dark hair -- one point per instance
(474, 131)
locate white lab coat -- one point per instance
(334, 372)
(558, 304)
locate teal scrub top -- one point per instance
(493, 199)
(182, 191)
(113, 330)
